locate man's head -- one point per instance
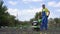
(43, 6)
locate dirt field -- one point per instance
(27, 31)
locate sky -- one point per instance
(24, 10)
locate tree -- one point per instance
(5, 18)
(2, 13)
(37, 16)
(57, 20)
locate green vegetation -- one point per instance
(5, 18)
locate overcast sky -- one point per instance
(26, 9)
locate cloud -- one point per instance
(54, 4)
(54, 13)
(57, 4)
(13, 2)
(25, 14)
(51, 3)
(33, 11)
(58, 10)
(13, 11)
(32, 0)
(28, 1)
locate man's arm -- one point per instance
(48, 13)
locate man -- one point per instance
(45, 14)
